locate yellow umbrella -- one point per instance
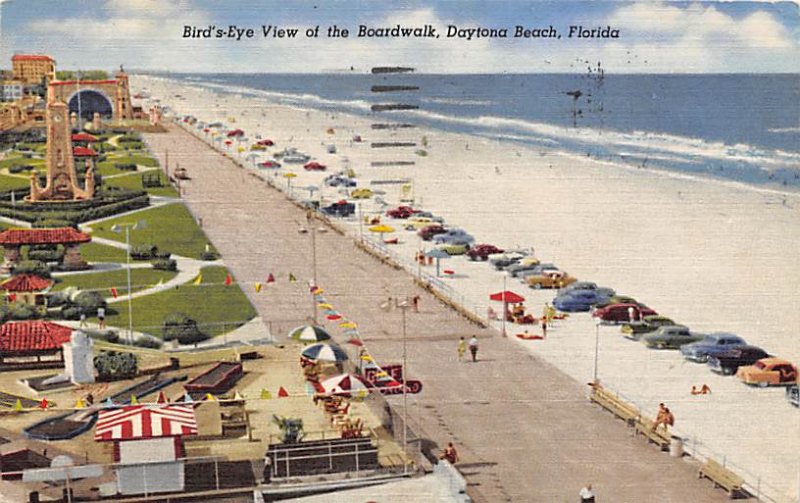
(325, 305)
(348, 324)
(381, 229)
(289, 175)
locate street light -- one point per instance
(403, 307)
(118, 229)
(597, 344)
(310, 216)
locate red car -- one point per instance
(266, 143)
(428, 232)
(270, 164)
(482, 251)
(314, 166)
(401, 212)
(622, 313)
(235, 132)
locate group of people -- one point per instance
(663, 418)
(472, 345)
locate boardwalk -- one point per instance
(525, 430)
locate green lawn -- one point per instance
(96, 252)
(140, 279)
(171, 227)
(18, 160)
(134, 181)
(216, 308)
(11, 182)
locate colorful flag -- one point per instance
(228, 279)
(79, 404)
(265, 394)
(258, 287)
(210, 397)
(283, 393)
(12, 297)
(134, 400)
(44, 404)
(270, 278)
(17, 405)
(292, 279)
(114, 292)
(199, 279)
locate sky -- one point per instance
(654, 37)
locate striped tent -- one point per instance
(141, 421)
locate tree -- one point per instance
(181, 327)
(112, 365)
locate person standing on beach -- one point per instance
(544, 327)
(415, 303)
(586, 494)
(473, 348)
(462, 348)
(631, 314)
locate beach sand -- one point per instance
(713, 255)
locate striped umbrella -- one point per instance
(309, 333)
(325, 352)
(345, 384)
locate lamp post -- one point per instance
(403, 307)
(118, 228)
(597, 346)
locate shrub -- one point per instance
(23, 312)
(46, 255)
(143, 252)
(5, 312)
(70, 312)
(165, 265)
(36, 267)
(208, 255)
(20, 168)
(54, 222)
(126, 166)
(111, 336)
(89, 302)
(147, 343)
(181, 327)
(112, 365)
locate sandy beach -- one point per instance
(714, 255)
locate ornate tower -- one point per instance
(123, 107)
(62, 181)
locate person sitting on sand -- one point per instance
(704, 390)
(450, 454)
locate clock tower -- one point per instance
(62, 180)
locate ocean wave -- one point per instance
(794, 130)
(455, 101)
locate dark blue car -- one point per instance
(578, 300)
(711, 345)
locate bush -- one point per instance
(5, 312)
(49, 223)
(46, 255)
(23, 312)
(89, 302)
(35, 267)
(112, 337)
(208, 255)
(165, 265)
(20, 168)
(147, 343)
(71, 312)
(112, 365)
(144, 252)
(125, 166)
(181, 327)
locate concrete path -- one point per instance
(526, 431)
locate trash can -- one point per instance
(676, 447)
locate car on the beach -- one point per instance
(482, 251)
(620, 299)
(313, 166)
(454, 248)
(550, 279)
(266, 142)
(454, 236)
(577, 301)
(711, 344)
(362, 193)
(235, 133)
(793, 395)
(670, 337)
(508, 258)
(768, 372)
(623, 313)
(339, 181)
(292, 155)
(649, 323)
(339, 209)
(602, 291)
(270, 164)
(428, 214)
(401, 212)
(728, 362)
(257, 148)
(416, 222)
(428, 232)
(522, 265)
(539, 269)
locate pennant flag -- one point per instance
(17, 406)
(210, 397)
(12, 297)
(187, 398)
(334, 317)
(108, 402)
(382, 373)
(160, 282)
(292, 279)
(114, 292)
(355, 342)
(238, 396)
(366, 358)
(79, 404)
(325, 305)
(265, 394)
(44, 404)
(199, 279)
(282, 393)
(228, 279)
(270, 278)
(258, 287)
(134, 400)
(161, 397)
(362, 393)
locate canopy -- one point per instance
(309, 333)
(381, 228)
(344, 384)
(508, 297)
(139, 421)
(325, 352)
(437, 253)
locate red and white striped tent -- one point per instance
(136, 422)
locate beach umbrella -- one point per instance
(347, 324)
(289, 175)
(381, 229)
(325, 305)
(437, 254)
(507, 297)
(345, 384)
(325, 352)
(309, 333)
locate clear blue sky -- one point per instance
(655, 37)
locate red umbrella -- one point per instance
(508, 297)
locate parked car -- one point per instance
(401, 212)
(454, 248)
(362, 193)
(620, 299)
(340, 209)
(339, 181)
(428, 232)
(291, 154)
(588, 285)
(270, 164)
(313, 166)
(266, 142)
(537, 270)
(768, 372)
(793, 395)
(524, 264)
(506, 259)
(622, 313)
(577, 300)
(482, 251)
(711, 344)
(648, 324)
(428, 214)
(454, 236)
(729, 361)
(670, 337)
(416, 222)
(550, 279)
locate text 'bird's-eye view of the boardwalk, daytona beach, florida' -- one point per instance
(399, 252)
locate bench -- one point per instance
(615, 405)
(659, 436)
(721, 476)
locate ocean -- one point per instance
(737, 127)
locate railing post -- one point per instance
(216, 473)
(144, 479)
(357, 460)
(330, 456)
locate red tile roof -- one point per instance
(83, 82)
(25, 283)
(31, 57)
(83, 137)
(61, 235)
(24, 336)
(83, 152)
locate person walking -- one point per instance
(587, 495)
(83, 323)
(462, 348)
(473, 348)
(415, 303)
(101, 317)
(544, 328)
